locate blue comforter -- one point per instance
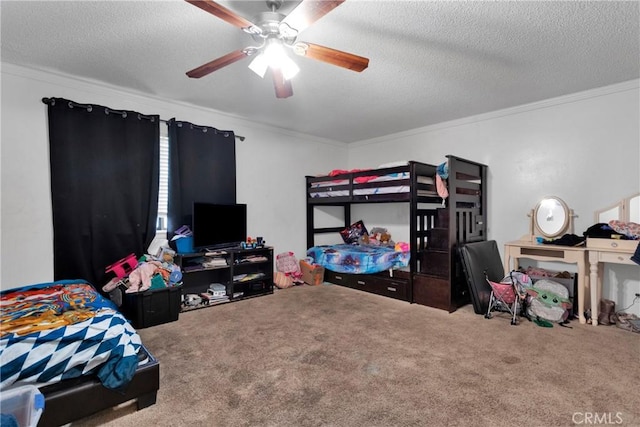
(54, 331)
(359, 259)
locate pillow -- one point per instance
(352, 233)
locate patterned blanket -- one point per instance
(358, 259)
(65, 329)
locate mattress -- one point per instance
(331, 188)
(358, 259)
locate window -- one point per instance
(163, 189)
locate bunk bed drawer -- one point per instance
(337, 278)
(365, 283)
(393, 288)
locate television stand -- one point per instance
(222, 247)
(236, 273)
(217, 251)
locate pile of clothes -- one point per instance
(147, 272)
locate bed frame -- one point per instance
(435, 277)
(77, 398)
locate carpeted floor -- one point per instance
(332, 356)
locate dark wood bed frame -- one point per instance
(76, 398)
(435, 277)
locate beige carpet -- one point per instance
(332, 356)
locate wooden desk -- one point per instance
(539, 252)
(601, 251)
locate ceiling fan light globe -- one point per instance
(274, 53)
(259, 65)
(289, 68)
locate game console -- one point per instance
(217, 290)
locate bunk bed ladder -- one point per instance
(467, 207)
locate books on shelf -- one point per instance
(252, 258)
(211, 262)
(208, 298)
(247, 277)
(215, 253)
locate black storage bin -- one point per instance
(152, 307)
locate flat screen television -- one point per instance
(218, 226)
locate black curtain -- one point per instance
(104, 186)
(202, 168)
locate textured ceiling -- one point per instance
(430, 61)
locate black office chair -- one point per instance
(481, 261)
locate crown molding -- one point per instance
(150, 101)
(547, 103)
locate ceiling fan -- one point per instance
(275, 33)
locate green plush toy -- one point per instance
(549, 302)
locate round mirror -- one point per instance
(551, 216)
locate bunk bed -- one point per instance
(437, 225)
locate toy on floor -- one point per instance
(548, 300)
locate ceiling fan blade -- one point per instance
(222, 13)
(216, 64)
(283, 87)
(308, 12)
(331, 56)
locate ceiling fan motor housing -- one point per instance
(271, 27)
(269, 22)
(274, 4)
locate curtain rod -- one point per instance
(240, 137)
(89, 107)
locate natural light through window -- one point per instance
(163, 190)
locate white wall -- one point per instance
(270, 168)
(584, 148)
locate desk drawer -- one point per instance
(616, 257)
(616, 244)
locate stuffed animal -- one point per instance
(379, 236)
(364, 239)
(401, 247)
(374, 235)
(385, 239)
(549, 301)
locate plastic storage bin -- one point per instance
(152, 307)
(21, 406)
(184, 245)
